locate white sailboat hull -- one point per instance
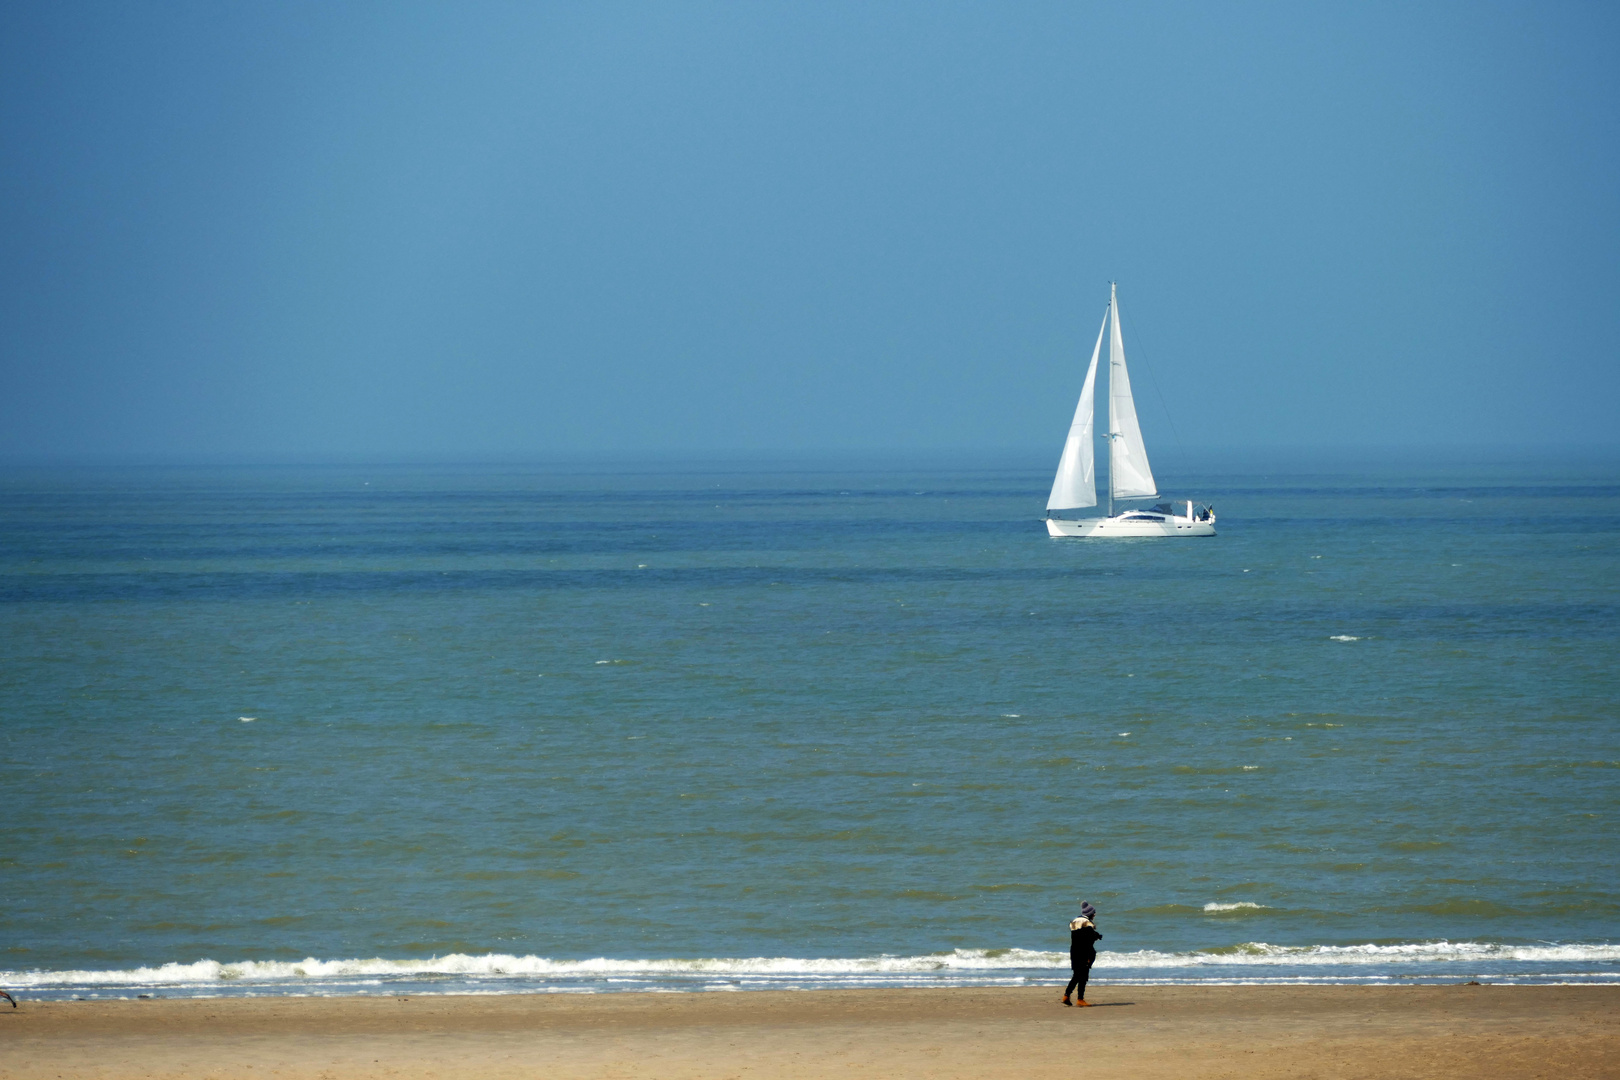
(1111, 527)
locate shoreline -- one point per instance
(1429, 963)
(420, 990)
(992, 1032)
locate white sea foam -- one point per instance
(1343, 637)
(499, 964)
(1260, 954)
(967, 965)
(1241, 905)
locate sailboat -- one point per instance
(1129, 476)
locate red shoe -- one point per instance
(1066, 1001)
(1084, 1003)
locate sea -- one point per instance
(740, 724)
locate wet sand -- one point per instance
(1152, 1032)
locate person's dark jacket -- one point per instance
(1083, 938)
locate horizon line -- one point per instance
(1002, 455)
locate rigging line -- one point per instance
(1181, 448)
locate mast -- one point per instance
(1113, 432)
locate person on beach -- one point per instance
(1083, 938)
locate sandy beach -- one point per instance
(1549, 1031)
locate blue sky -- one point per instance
(417, 232)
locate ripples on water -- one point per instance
(263, 715)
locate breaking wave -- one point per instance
(499, 965)
(1260, 954)
(501, 973)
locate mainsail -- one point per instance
(1129, 476)
(1075, 485)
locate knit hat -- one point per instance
(1088, 911)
